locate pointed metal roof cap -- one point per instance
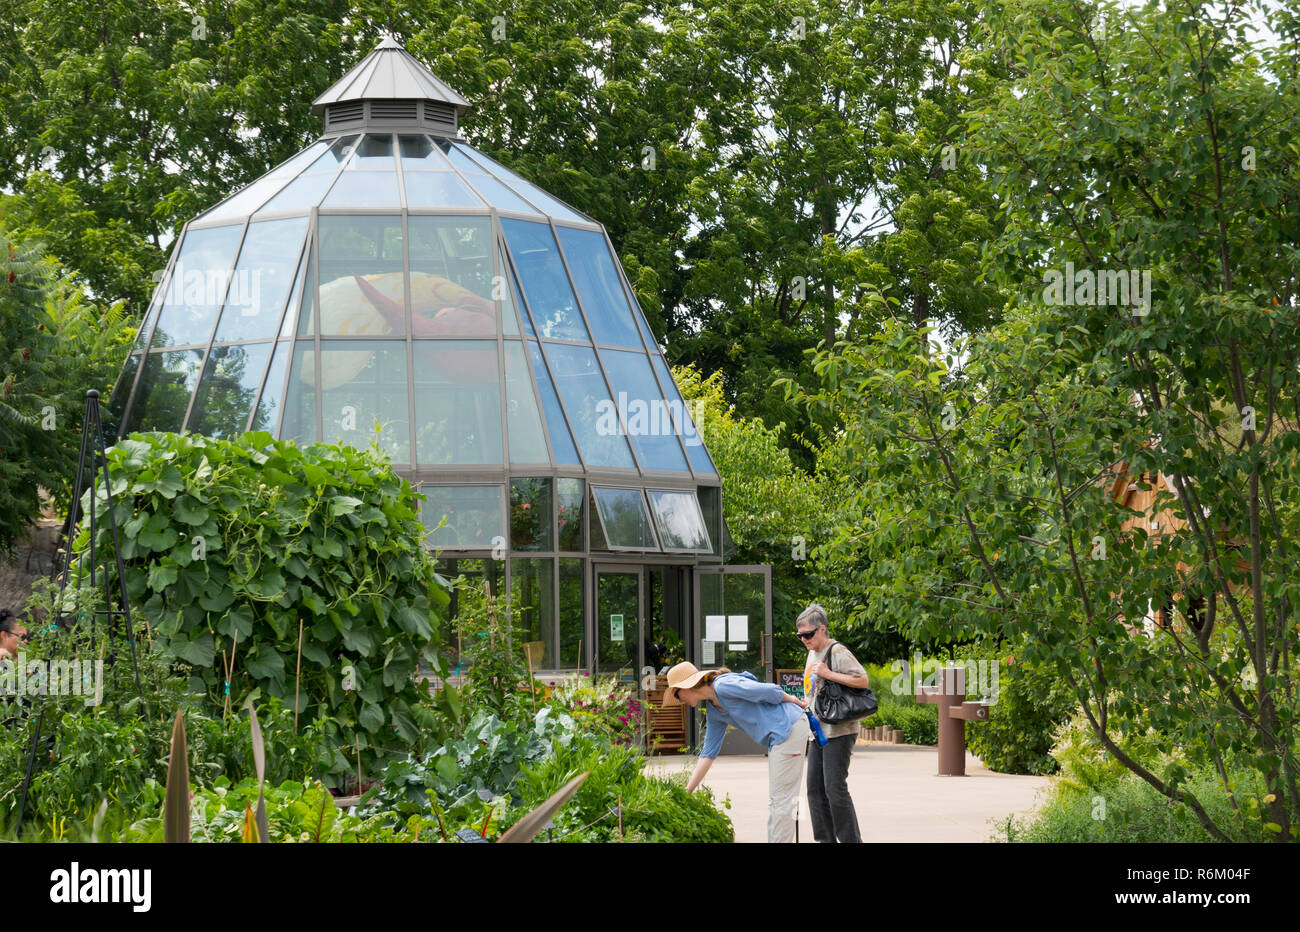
(389, 72)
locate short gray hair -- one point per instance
(814, 615)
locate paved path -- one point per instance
(896, 791)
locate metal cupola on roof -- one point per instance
(391, 284)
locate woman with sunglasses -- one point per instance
(12, 634)
(829, 804)
(765, 712)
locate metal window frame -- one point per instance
(699, 511)
(645, 505)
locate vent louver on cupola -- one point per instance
(390, 90)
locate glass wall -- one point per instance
(532, 589)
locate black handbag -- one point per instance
(836, 703)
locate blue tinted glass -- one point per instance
(535, 195)
(262, 280)
(691, 438)
(260, 191)
(231, 379)
(499, 196)
(651, 423)
(458, 158)
(514, 298)
(599, 287)
(268, 408)
(546, 286)
(586, 400)
(363, 189)
(303, 192)
(197, 286)
(523, 423)
(438, 189)
(561, 442)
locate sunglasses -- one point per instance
(809, 635)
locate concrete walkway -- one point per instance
(896, 791)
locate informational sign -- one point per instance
(738, 647)
(715, 627)
(791, 681)
(616, 627)
(738, 628)
(707, 655)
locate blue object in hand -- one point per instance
(816, 729)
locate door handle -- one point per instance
(762, 648)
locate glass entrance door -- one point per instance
(733, 613)
(619, 610)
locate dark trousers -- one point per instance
(829, 803)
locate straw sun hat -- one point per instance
(683, 676)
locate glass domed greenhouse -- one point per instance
(392, 284)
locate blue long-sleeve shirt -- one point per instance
(757, 709)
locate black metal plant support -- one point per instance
(91, 463)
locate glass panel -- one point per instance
(457, 402)
(197, 286)
(523, 421)
(364, 189)
(573, 611)
(499, 196)
(361, 291)
(308, 188)
(626, 521)
(597, 533)
(142, 337)
(231, 379)
(570, 497)
(710, 497)
(438, 189)
(546, 286)
(165, 387)
(530, 514)
(418, 153)
(268, 408)
(364, 396)
(307, 316)
(599, 287)
(531, 192)
(561, 442)
(532, 591)
(458, 158)
(504, 293)
(691, 436)
(249, 199)
(469, 579)
(650, 422)
(300, 404)
(121, 392)
(677, 516)
(587, 402)
(474, 513)
(374, 153)
(262, 280)
(451, 277)
(295, 299)
(617, 628)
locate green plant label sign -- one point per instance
(616, 627)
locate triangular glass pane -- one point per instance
(268, 406)
(523, 420)
(300, 398)
(249, 199)
(509, 318)
(561, 442)
(295, 298)
(691, 438)
(307, 315)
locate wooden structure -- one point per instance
(665, 730)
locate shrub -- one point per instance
(229, 544)
(1031, 703)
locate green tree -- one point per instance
(1173, 155)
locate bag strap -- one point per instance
(830, 656)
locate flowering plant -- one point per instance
(600, 705)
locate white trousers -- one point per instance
(784, 777)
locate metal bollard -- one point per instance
(954, 713)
